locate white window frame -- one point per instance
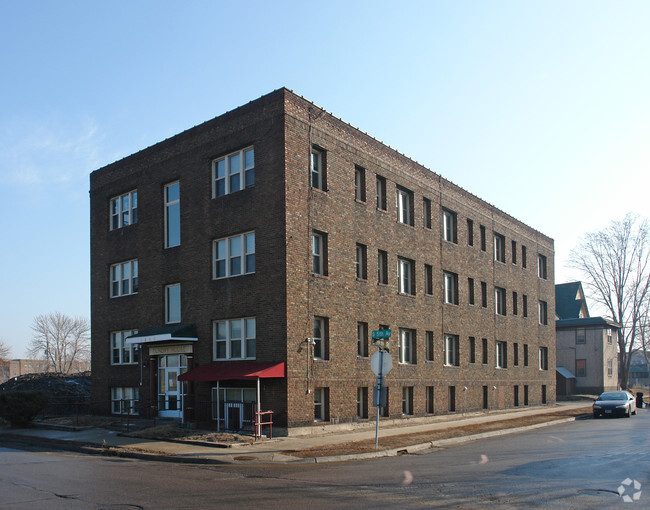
(407, 400)
(543, 312)
(316, 166)
(405, 269)
(610, 368)
(320, 404)
(247, 339)
(406, 346)
(123, 210)
(318, 253)
(222, 254)
(362, 339)
(172, 316)
(541, 266)
(126, 354)
(320, 343)
(404, 199)
(500, 301)
(543, 358)
(172, 213)
(451, 351)
(224, 170)
(359, 183)
(499, 248)
(450, 287)
(117, 272)
(123, 400)
(501, 357)
(449, 226)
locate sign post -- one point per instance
(380, 363)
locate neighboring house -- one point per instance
(246, 261)
(15, 367)
(638, 370)
(586, 346)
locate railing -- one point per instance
(259, 423)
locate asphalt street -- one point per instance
(581, 464)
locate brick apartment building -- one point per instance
(255, 253)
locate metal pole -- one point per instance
(379, 381)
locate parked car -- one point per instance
(615, 403)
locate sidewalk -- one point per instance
(333, 446)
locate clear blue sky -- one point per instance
(540, 108)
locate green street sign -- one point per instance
(381, 333)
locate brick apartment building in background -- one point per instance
(255, 253)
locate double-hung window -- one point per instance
(499, 301)
(499, 248)
(502, 354)
(235, 339)
(426, 213)
(406, 346)
(172, 215)
(234, 256)
(121, 352)
(450, 291)
(318, 169)
(173, 303)
(405, 276)
(360, 183)
(124, 400)
(362, 339)
(407, 400)
(581, 368)
(124, 278)
(449, 226)
(382, 267)
(381, 193)
(452, 351)
(543, 313)
(543, 358)
(321, 404)
(124, 210)
(362, 261)
(541, 266)
(404, 205)
(320, 338)
(319, 253)
(430, 346)
(428, 279)
(233, 172)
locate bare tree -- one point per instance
(64, 342)
(5, 350)
(616, 262)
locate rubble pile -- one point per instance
(63, 391)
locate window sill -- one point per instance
(321, 360)
(366, 357)
(453, 243)
(363, 280)
(321, 276)
(407, 364)
(319, 190)
(359, 201)
(405, 224)
(451, 366)
(406, 295)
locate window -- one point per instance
(470, 232)
(430, 406)
(485, 351)
(362, 403)
(581, 335)
(470, 290)
(610, 368)
(499, 301)
(609, 336)
(483, 240)
(430, 348)
(407, 346)
(452, 399)
(451, 351)
(124, 278)
(381, 193)
(234, 339)
(543, 313)
(233, 172)
(525, 355)
(321, 338)
(541, 266)
(502, 354)
(524, 305)
(405, 276)
(428, 279)
(124, 210)
(404, 205)
(472, 349)
(543, 358)
(515, 308)
(449, 226)
(485, 397)
(124, 400)
(407, 400)
(362, 339)
(581, 368)
(319, 253)
(173, 303)
(525, 394)
(523, 256)
(384, 412)
(234, 256)
(321, 404)
(426, 213)
(121, 352)
(515, 354)
(514, 252)
(499, 247)
(172, 215)
(450, 282)
(318, 169)
(484, 294)
(515, 396)
(362, 262)
(543, 393)
(382, 267)
(359, 183)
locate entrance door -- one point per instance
(170, 391)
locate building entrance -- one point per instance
(170, 390)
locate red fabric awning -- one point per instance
(239, 370)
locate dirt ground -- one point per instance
(404, 440)
(176, 432)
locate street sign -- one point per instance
(381, 333)
(381, 362)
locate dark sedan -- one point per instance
(615, 403)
